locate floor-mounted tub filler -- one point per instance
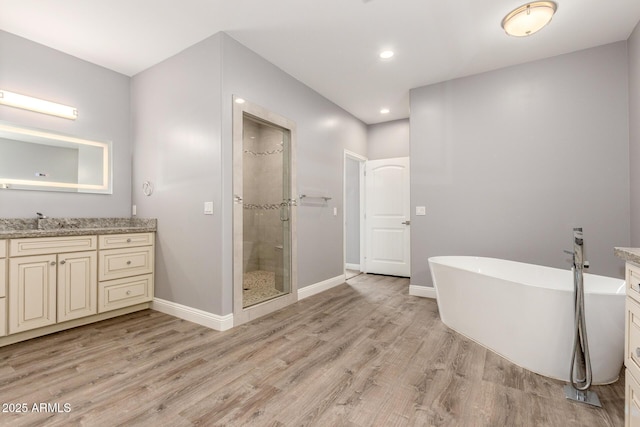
(580, 374)
(525, 313)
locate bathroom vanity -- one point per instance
(57, 274)
(632, 335)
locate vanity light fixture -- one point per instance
(387, 54)
(529, 18)
(38, 105)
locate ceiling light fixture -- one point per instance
(240, 101)
(386, 54)
(38, 105)
(529, 18)
(385, 111)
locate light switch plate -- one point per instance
(208, 208)
(421, 210)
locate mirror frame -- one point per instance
(27, 134)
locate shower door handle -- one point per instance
(284, 211)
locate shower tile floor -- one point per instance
(259, 286)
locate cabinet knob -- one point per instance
(128, 240)
(63, 262)
(128, 262)
(53, 263)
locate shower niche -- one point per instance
(264, 211)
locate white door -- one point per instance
(387, 217)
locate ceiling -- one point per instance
(330, 45)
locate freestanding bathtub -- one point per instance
(525, 313)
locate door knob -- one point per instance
(406, 222)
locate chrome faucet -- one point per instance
(39, 218)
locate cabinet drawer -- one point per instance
(632, 277)
(118, 263)
(3, 278)
(52, 245)
(120, 293)
(113, 241)
(3, 317)
(3, 248)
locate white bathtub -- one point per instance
(525, 313)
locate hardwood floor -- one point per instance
(362, 354)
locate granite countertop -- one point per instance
(628, 254)
(12, 228)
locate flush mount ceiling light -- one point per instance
(385, 111)
(529, 18)
(38, 105)
(387, 54)
(240, 101)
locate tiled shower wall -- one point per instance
(262, 182)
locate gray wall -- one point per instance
(182, 122)
(176, 129)
(633, 45)
(507, 162)
(102, 99)
(388, 140)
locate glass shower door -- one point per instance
(266, 206)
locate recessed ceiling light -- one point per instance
(386, 54)
(529, 18)
(385, 111)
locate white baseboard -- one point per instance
(352, 266)
(222, 323)
(316, 288)
(204, 318)
(422, 291)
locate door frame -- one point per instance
(241, 314)
(362, 160)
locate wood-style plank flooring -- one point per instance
(361, 354)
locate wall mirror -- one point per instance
(34, 159)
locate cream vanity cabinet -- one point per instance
(632, 346)
(3, 288)
(125, 271)
(51, 280)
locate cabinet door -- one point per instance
(77, 285)
(32, 292)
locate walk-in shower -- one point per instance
(264, 212)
